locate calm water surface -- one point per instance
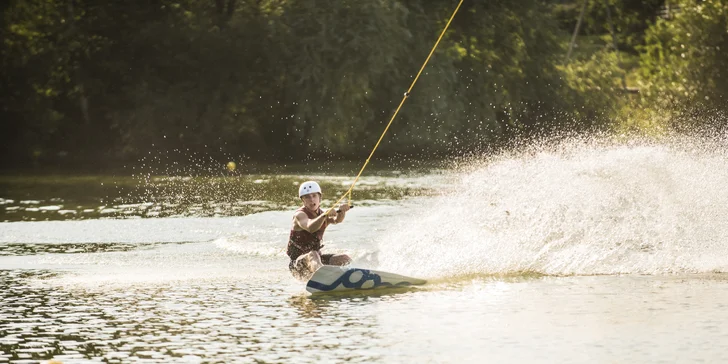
(558, 258)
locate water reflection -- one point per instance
(308, 308)
(73, 198)
(209, 320)
(34, 249)
(45, 315)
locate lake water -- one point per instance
(579, 253)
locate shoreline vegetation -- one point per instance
(90, 87)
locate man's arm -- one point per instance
(343, 208)
(310, 225)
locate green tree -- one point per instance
(509, 54)
(284, 79)
(685, 58)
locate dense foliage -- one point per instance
(92, 83)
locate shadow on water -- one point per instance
(309, 308)
(311, 303)
(317, 304)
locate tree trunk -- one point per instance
(224, 11)
(576, 29)
(614, 43)
(82, 99)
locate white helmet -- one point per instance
(308, 187)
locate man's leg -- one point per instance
(306, 265)
(338, 259)
(314, 261)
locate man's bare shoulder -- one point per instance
(299, 217)
(300, 220)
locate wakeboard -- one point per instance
(331, 278)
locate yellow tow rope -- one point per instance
(406, 95)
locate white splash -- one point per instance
(575, 207)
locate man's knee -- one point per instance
(341, 259)
(312, 256)
(310, 260)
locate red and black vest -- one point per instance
(302, 242)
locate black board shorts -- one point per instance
(302, 271)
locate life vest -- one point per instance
(302, 242)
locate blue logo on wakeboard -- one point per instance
(366, 276)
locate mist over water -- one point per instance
(586, 206)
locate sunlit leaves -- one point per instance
(685, 57)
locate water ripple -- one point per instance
(220, 320)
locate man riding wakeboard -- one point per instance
(307, 231)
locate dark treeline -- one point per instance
(89, 83)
